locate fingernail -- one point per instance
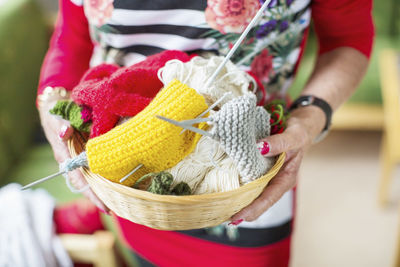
(63, 132)
(264, 148)
(104, 212)
(237, 222)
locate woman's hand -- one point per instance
(336, 75)
(303, 126)
(57, 132)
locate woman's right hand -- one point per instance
(57, 132)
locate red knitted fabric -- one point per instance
(112, 92)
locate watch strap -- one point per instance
(308, 100)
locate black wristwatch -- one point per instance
(307, 100)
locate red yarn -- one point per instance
(113, 92)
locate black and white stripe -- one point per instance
(160, 4)
(143, 28)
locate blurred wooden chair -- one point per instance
(389, 66)
(97, 249)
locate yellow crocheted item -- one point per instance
(157, 144)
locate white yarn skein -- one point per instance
(202, 163)
(193, 168)
(198, 70)
(221, 179)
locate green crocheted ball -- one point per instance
(71, 112)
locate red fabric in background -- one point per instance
(166, 248)
(70, 49)
(79, 217)
(343, 23)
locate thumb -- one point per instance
(292, 138)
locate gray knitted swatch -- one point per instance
(237, 126)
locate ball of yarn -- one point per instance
(193, 168)
(181, 189)
(198, 70)
(207, 169)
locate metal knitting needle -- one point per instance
(218, 70)
(42, 180)
(185, 126)
(211, 107)
(225, 60)
(195, 120)
(130, 173)
(238, 43)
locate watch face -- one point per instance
(306, 101)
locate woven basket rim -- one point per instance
(77, 139)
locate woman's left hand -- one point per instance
(303, 126)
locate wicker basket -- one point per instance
(167, 212)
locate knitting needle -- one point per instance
(237, 43)
(185, 126)
(130, 173)
(195, 120)
(210, 107)
(42, 180)
(227, 57)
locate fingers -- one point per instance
(57, 139)
(57, 131)
(293, 138)
(280, 184)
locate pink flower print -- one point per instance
(262, 66)
(230, 16)
(98, 11)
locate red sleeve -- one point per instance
(70, 49)
(344, 23)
